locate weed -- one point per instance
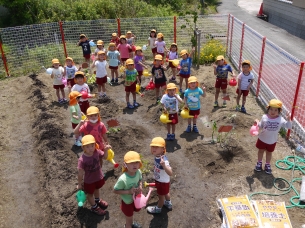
(211, 50)
(283, 132)
(145, 165)
(113, 130)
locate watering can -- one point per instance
(92, 43)
(85, 95)
(109, 81)
(149, 184)
(80, 198)
(185, 113)
(49, 71)
(179, 67)
(138, 87)
(146, 73)
(140, 200)
(64, 81)
(144, 48)
(84, 117)
(164, 118)
(110, 158)
(122, 69)
(233, 82)
(92, 57)
(175, 62)
(150, 86)
(254, 130)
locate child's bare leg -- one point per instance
(99, 88)
(168, 128)
(57, 94)
(103, 87)
(127, 97)
(63, 93)
(268, 157)
(189, 121)
(244, 100)
(129, 221)
(217, 94)
(112, 74)
(237, 99)
(180, 82)
(260, 155)
(116, 74)
(167, 197)
(186, 83)
(161, 201)
(224, 92)
(96, 193)
(194, 120)
(157, 92)
(90, 198)
(134, 96)
(173, 128)
(174, 71)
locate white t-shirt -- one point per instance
(245, 80)
(159, 172)
(271, 127)
(160, 46)
(101, 68)
(58, 74)
(70, 72)
(80, 88)
(152, 41)
(170, 103)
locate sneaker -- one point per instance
(153, 210)
(102, 204)
(60, 101)
(180, 91)
(135, 104)
(168, 205)
(64, 100)
(224, 104)
(158, 100)
(188, 129)
(268, 169)
(172, 137)
(116, 80)
(135, 225)
(168, 137)
(195, 129)
(243, 109)
(258, 167)
(237, 108)
(100, 95)
(98, 211)
(172, 79)
(78, 143)
(130, 106)
(112, 80)
(216, 104)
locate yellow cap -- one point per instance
(220, 57)
(138, 48)
(183, 52)
(131, 156)
(171, 86)
(69, 58)
(54, 61)
(114, 34)
(112, 45)
(158, 57)
(79, 73)
(88, 139)
(129, 62)
(99, 42)
(101, 53)
(129, 32)
(160, 35)
(247, 62)
(153, 30)
(192, 79)
(122, 37)
(82, 36)
(93, 110)
(159, 142)
(275, 103)
(72, 97)
(174, 44)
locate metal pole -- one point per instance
(4, 60)
(261, 66)
(198, 45)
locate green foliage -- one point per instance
(145, 165)
(283, 132)
(211, 50)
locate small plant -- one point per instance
(145, 165)
(283, 132)
(232, 117)
(214, 128)
(211, 50)
(113, 130)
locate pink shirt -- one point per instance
(92, 167)
(97, 130)
(124, 50)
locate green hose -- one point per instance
(287, 164)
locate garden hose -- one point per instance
(298, 163)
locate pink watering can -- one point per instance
(140, 200)
(254, 130)
(64, 81)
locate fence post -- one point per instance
(119, 26)
(4, 60)
(231, 35)
(175, 29)
(296, 94)
(261, 66)
(241, 45)
(63, 38)
(229, 17)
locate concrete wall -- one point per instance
(286, 16)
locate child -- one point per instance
(160, 45)
(123, 48)
(151, 42)
(185, 64)
(57, 76)
(114, 59)
(271, 123)
(192, 101)
(170, 104)
(162, 173)
(221, 69)
(139, 59)
(158, 76)
(101, 73)
(115, 39)
(90, 174)
(245, 81)
(131, 79)
(69, 72)
(94, 126)
(81, 86)
(99, 47)
(129, 183)
(130, 38)
(76, 114)
(84, 43)
(173, 54)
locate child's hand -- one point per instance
(132, 190)
(80, 186)
(162, 162)
(138, 191)
(193, 49)
(81, 122)
(256, 122)
(203, 88)
(107, 147)
(214, 65)
(288, 116)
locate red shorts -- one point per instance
(154, 50)
(162, 188)
(160, 54)
(131, 88)
(71, 81)
(221, 83)
(194, 112)
(59, 86)
(140, 73)
(74, 125)
(124, 59)
(101, 81)
(84, 105)
(243, 92)
(184, 75)
(173, 116)
(87, 56)
(90, 188)
(170, 64)
(264, 146)
(158, 85)
(113, 67)
(128, 209)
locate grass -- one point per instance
(145, 169)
